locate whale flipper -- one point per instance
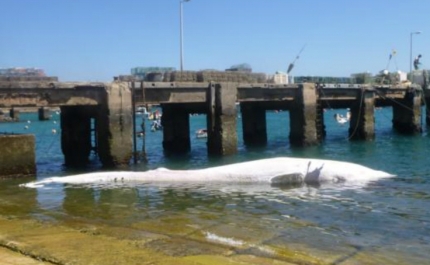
(288, 179)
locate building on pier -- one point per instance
(278, 78)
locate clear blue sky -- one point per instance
(94, 40)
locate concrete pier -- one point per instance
(44, 113)
(14, 114)
(17, 156)
(427, 110)
(221, 119)
(76, 134)
(321, 132)
(407, 112)
(98, 116)
(105, 128)
(176, 129)
(115, 126)
(303, 116)
(362, 123)
(254, 125)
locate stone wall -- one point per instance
(237, 77)
(17, 155)
(29, 78)
(185, 76)
(213, 76)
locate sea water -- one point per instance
(386, 220)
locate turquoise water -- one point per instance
(388, 220)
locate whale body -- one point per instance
(275, 171)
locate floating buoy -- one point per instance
(54, 131)
(26, 127)
(28, 121)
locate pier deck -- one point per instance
(38, 94)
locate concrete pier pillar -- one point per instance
(114, 126)
(407, 113)
(303, 116)
(176, 129)
(362, 122)
(44, 113)
(426, 95)
(142, 134)
(75, 135)
(253, 123)
(221, 119)
(14, 114)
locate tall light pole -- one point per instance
(181, 30)
(410, 55)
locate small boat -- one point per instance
(202, 133)
(341, 119)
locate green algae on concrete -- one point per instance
(57, 244)
(17, 155)
(10, 257)
(61, 245)
(171, 225)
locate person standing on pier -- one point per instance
(417, 62)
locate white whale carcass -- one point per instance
(275, 171)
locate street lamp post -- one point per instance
(181, 37)
(410, 55)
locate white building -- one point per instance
(279, 78)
